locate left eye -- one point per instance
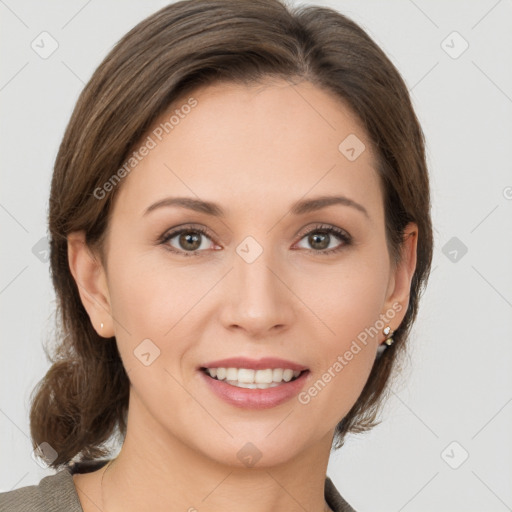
(320, 239)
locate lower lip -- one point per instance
(256, 398)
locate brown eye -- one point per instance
(319, 241)
(322, 239)
(187, 241)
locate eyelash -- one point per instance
(320, 228)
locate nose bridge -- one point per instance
(258, 300)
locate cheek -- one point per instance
(150, 295)
(347, 296)
(157, 300)
(153, 305)
(349, 301)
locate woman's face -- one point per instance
(265, 280)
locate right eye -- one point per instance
(187, 241)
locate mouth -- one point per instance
(253, 379)
(249, 383)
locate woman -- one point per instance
(240, 234)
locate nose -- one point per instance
(258, 298)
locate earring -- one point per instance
(387, 342)
(101, 325)
(389, 335)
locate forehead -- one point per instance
(248, 146)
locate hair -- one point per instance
(83, 398)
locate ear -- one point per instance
(91, 281)
(399, 288)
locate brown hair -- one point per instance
(83, 398)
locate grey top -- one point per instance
(57, 493)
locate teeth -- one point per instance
(277, 374)
(264, 376)
(252, 385)
(244, 375)
(231, 374)
(253, 379)
(287, 375)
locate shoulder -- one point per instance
(334, 498)
(54, 493)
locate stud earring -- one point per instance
(387, 342)
(101, 325)
(389, 335)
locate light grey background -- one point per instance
(457, 384)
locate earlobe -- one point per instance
(89, 274)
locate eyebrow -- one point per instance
(301, 207)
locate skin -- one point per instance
(254, 150)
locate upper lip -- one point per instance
(254, 364)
